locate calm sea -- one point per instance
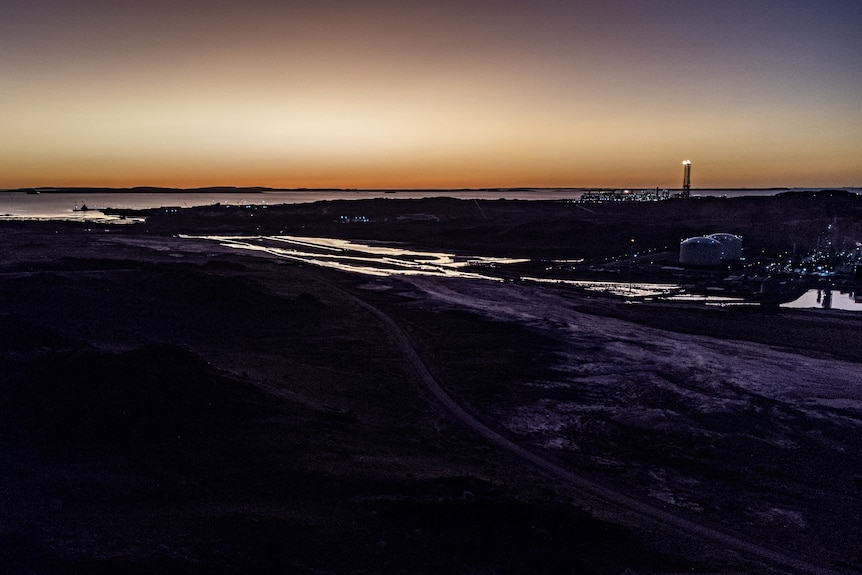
(15, 204)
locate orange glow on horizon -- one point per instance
(427, 95)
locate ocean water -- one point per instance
(17, 205)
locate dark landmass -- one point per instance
(542, 230)
(171, 405)
(257, 189)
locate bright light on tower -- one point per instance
(686, 162)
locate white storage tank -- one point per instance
(731, 246)
(700, 251)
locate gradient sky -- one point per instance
(420, 94)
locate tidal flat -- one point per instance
(173, 404)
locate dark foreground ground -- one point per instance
(169, 406)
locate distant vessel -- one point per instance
(83, 208)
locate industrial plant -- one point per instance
(686, 179)
(600, 195)
(712, 250)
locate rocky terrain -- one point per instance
(174, 405)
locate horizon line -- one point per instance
(227, 188)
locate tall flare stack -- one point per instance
(686, 179)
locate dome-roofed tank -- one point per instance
(731, 246)
(700, 251)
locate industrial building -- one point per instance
(700, 251)
(711, 250)
(731, 246)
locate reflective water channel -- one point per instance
(387, 260)
(376, 260)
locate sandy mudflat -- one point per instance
(177, 406)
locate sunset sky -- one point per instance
(430, 94)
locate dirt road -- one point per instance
(516, 304)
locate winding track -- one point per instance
(774, 559)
